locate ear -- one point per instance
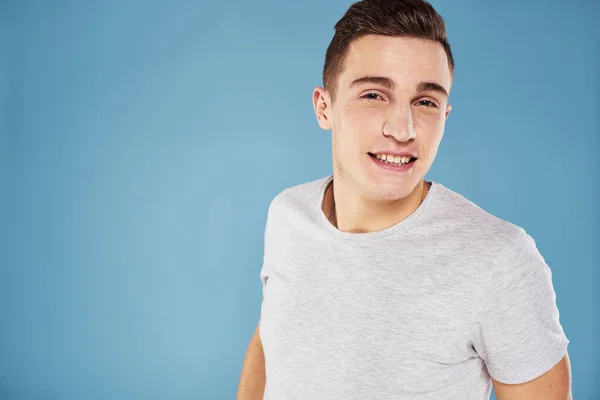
(321, 104)
(448, 109)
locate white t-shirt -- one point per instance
(429, 308)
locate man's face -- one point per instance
(389, 99)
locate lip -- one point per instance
(394, 167)
(395, 153)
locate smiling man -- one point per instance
(379, 284)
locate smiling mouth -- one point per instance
(393, 160)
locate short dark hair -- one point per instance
(408, 18)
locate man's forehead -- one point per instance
(378, 44)
(403, 66)
(381, 55)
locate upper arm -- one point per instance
(517, 331)
(553, 385)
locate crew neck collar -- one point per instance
(402, 225)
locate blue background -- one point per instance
(142, 142)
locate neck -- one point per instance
(355, 214)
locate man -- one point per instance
(378, 284)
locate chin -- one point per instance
(392, 191)
(395, 195)
(379, 184)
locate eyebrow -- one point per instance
(391, 85)
(431, 87)
(377, 80)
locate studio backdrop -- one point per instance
(142, 141)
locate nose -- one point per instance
(400, 125)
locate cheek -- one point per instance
(352, 133)
(360, 123)
(430, 128)
(429, 133)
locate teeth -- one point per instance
(389, 159)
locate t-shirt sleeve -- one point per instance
(517, 331)
(264, 270)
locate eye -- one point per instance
(371, 96)
(426, 103)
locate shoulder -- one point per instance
(299, 198)
(478, 229)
